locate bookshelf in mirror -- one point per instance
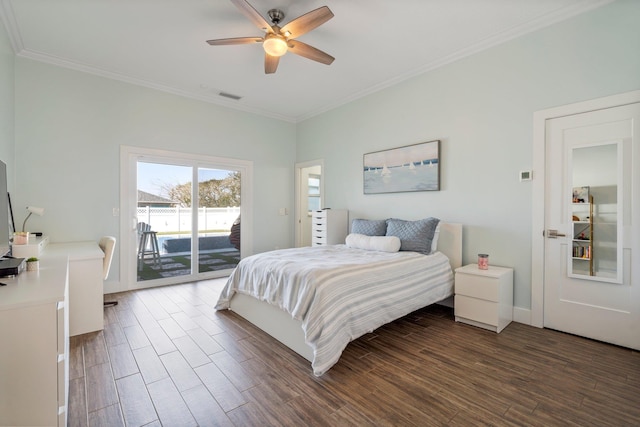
(582, 237)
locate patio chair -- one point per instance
(148, 245)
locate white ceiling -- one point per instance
(376, 43)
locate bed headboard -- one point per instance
(450, 242)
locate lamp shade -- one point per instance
(35, 210)
(32, 210)
(275, 45)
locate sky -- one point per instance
(152, 177)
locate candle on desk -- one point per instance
(483, 261)
(20, 238)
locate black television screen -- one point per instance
(5, 232)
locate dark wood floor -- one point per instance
(166, 357)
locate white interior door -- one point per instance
(591, 225)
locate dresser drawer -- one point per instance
(62, 386)
(318, 227)
(319, 215)
(319, 240)
(477, 310)
(487, 288)
(60, 313)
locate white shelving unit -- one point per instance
(329, 226)
(582, 238)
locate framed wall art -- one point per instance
(409, 168)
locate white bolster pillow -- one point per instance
(373, 243)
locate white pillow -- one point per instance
(434, 241)
(373, 243)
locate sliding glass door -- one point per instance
(186, 218)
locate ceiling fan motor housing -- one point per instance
(276, 16)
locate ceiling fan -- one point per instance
(278, 41)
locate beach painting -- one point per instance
(409, 168)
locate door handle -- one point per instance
(553, 234)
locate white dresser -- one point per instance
(329, 226)
(34, 337)
(484, 298)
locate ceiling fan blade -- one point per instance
(253, 15)
(309, 52)
(235, 40)
(270, 63)
(307, 22)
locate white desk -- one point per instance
(34, 346)
(86, 309)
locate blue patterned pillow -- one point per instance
(369, 227)
(415, 236)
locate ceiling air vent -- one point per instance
(230, 96)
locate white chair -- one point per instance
(107, 244)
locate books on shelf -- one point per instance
(582, 252)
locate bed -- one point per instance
(315, 300)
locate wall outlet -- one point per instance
(116, 211)
(283, 211)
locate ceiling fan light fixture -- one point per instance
(275, 45)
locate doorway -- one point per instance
(582, 256)
(180, 214)
(309, 197)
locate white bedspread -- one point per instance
(340, 293)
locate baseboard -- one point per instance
(522, 315)
(113, 287)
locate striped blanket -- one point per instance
(340, 293)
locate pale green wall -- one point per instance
(481, 108)
(6, 104)
(69, 129)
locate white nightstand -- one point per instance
(484, 298)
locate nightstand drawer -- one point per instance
(475, 309)
(487, 288)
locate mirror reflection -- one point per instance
(595, 247)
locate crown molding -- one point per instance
(10, 23)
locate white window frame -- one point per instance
(129, 158)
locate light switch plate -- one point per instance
(526, 175)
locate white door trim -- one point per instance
(538, 190)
